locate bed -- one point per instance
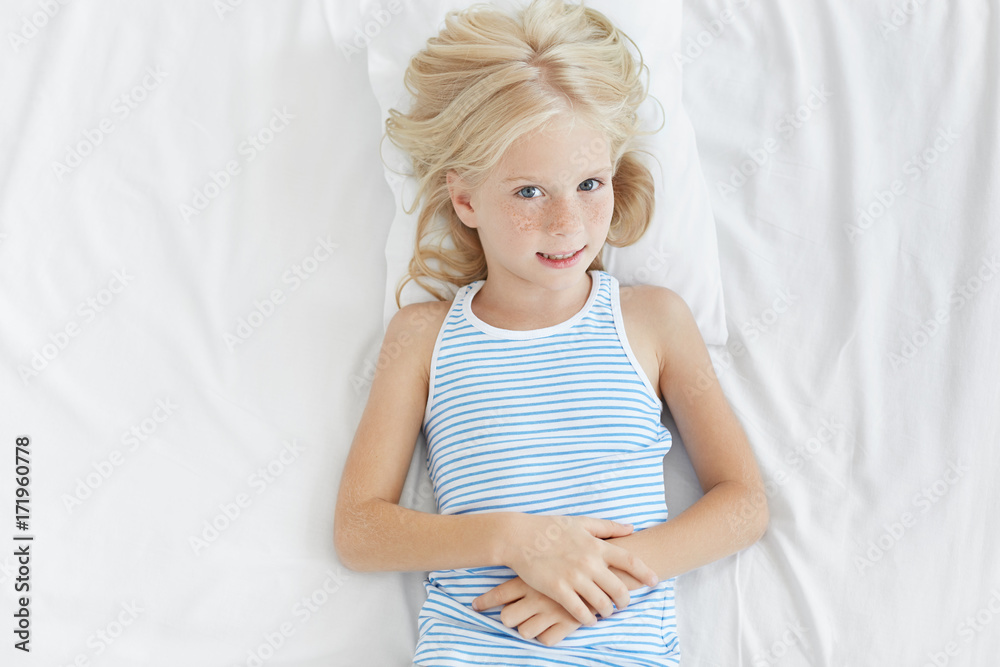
(193, 230)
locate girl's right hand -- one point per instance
(567, 559)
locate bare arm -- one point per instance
(699, 535)
(371, 531)
(733, 513)
(388, 537)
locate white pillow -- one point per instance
(678, 251)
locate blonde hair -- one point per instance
(487, 79)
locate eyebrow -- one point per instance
(534, 179)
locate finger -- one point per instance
(597, 599)
(505, 593)
(629, 562)
(605, 528)
(627, 579)
(534, 626)
(556, 633)
(544, 613)
(577, 608)
(615, 589)
(515, 614)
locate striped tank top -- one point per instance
(554, 421)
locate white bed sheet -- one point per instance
(122, 562)
(848, 439)
(877, 431)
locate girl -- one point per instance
(539, 386)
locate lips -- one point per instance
(560, 260)
(559, 255)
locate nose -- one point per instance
(564, 218)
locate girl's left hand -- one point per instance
(534, 614)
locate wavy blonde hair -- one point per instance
(487, 79)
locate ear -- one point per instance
(461, 199)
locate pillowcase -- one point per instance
(679, 249)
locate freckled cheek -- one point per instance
(598, 213)
(519, 221)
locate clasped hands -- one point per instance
(567, 573)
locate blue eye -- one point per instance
(594, 184)
(530, 188)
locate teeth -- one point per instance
(557, 256)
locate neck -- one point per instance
(510, 302)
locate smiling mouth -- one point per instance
(565, 255)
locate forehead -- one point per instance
(564, 143)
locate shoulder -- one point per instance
(411, 334)
(404, 359)
(418, 321)
(654, 306)
(662, 319)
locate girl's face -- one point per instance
(543, 213)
